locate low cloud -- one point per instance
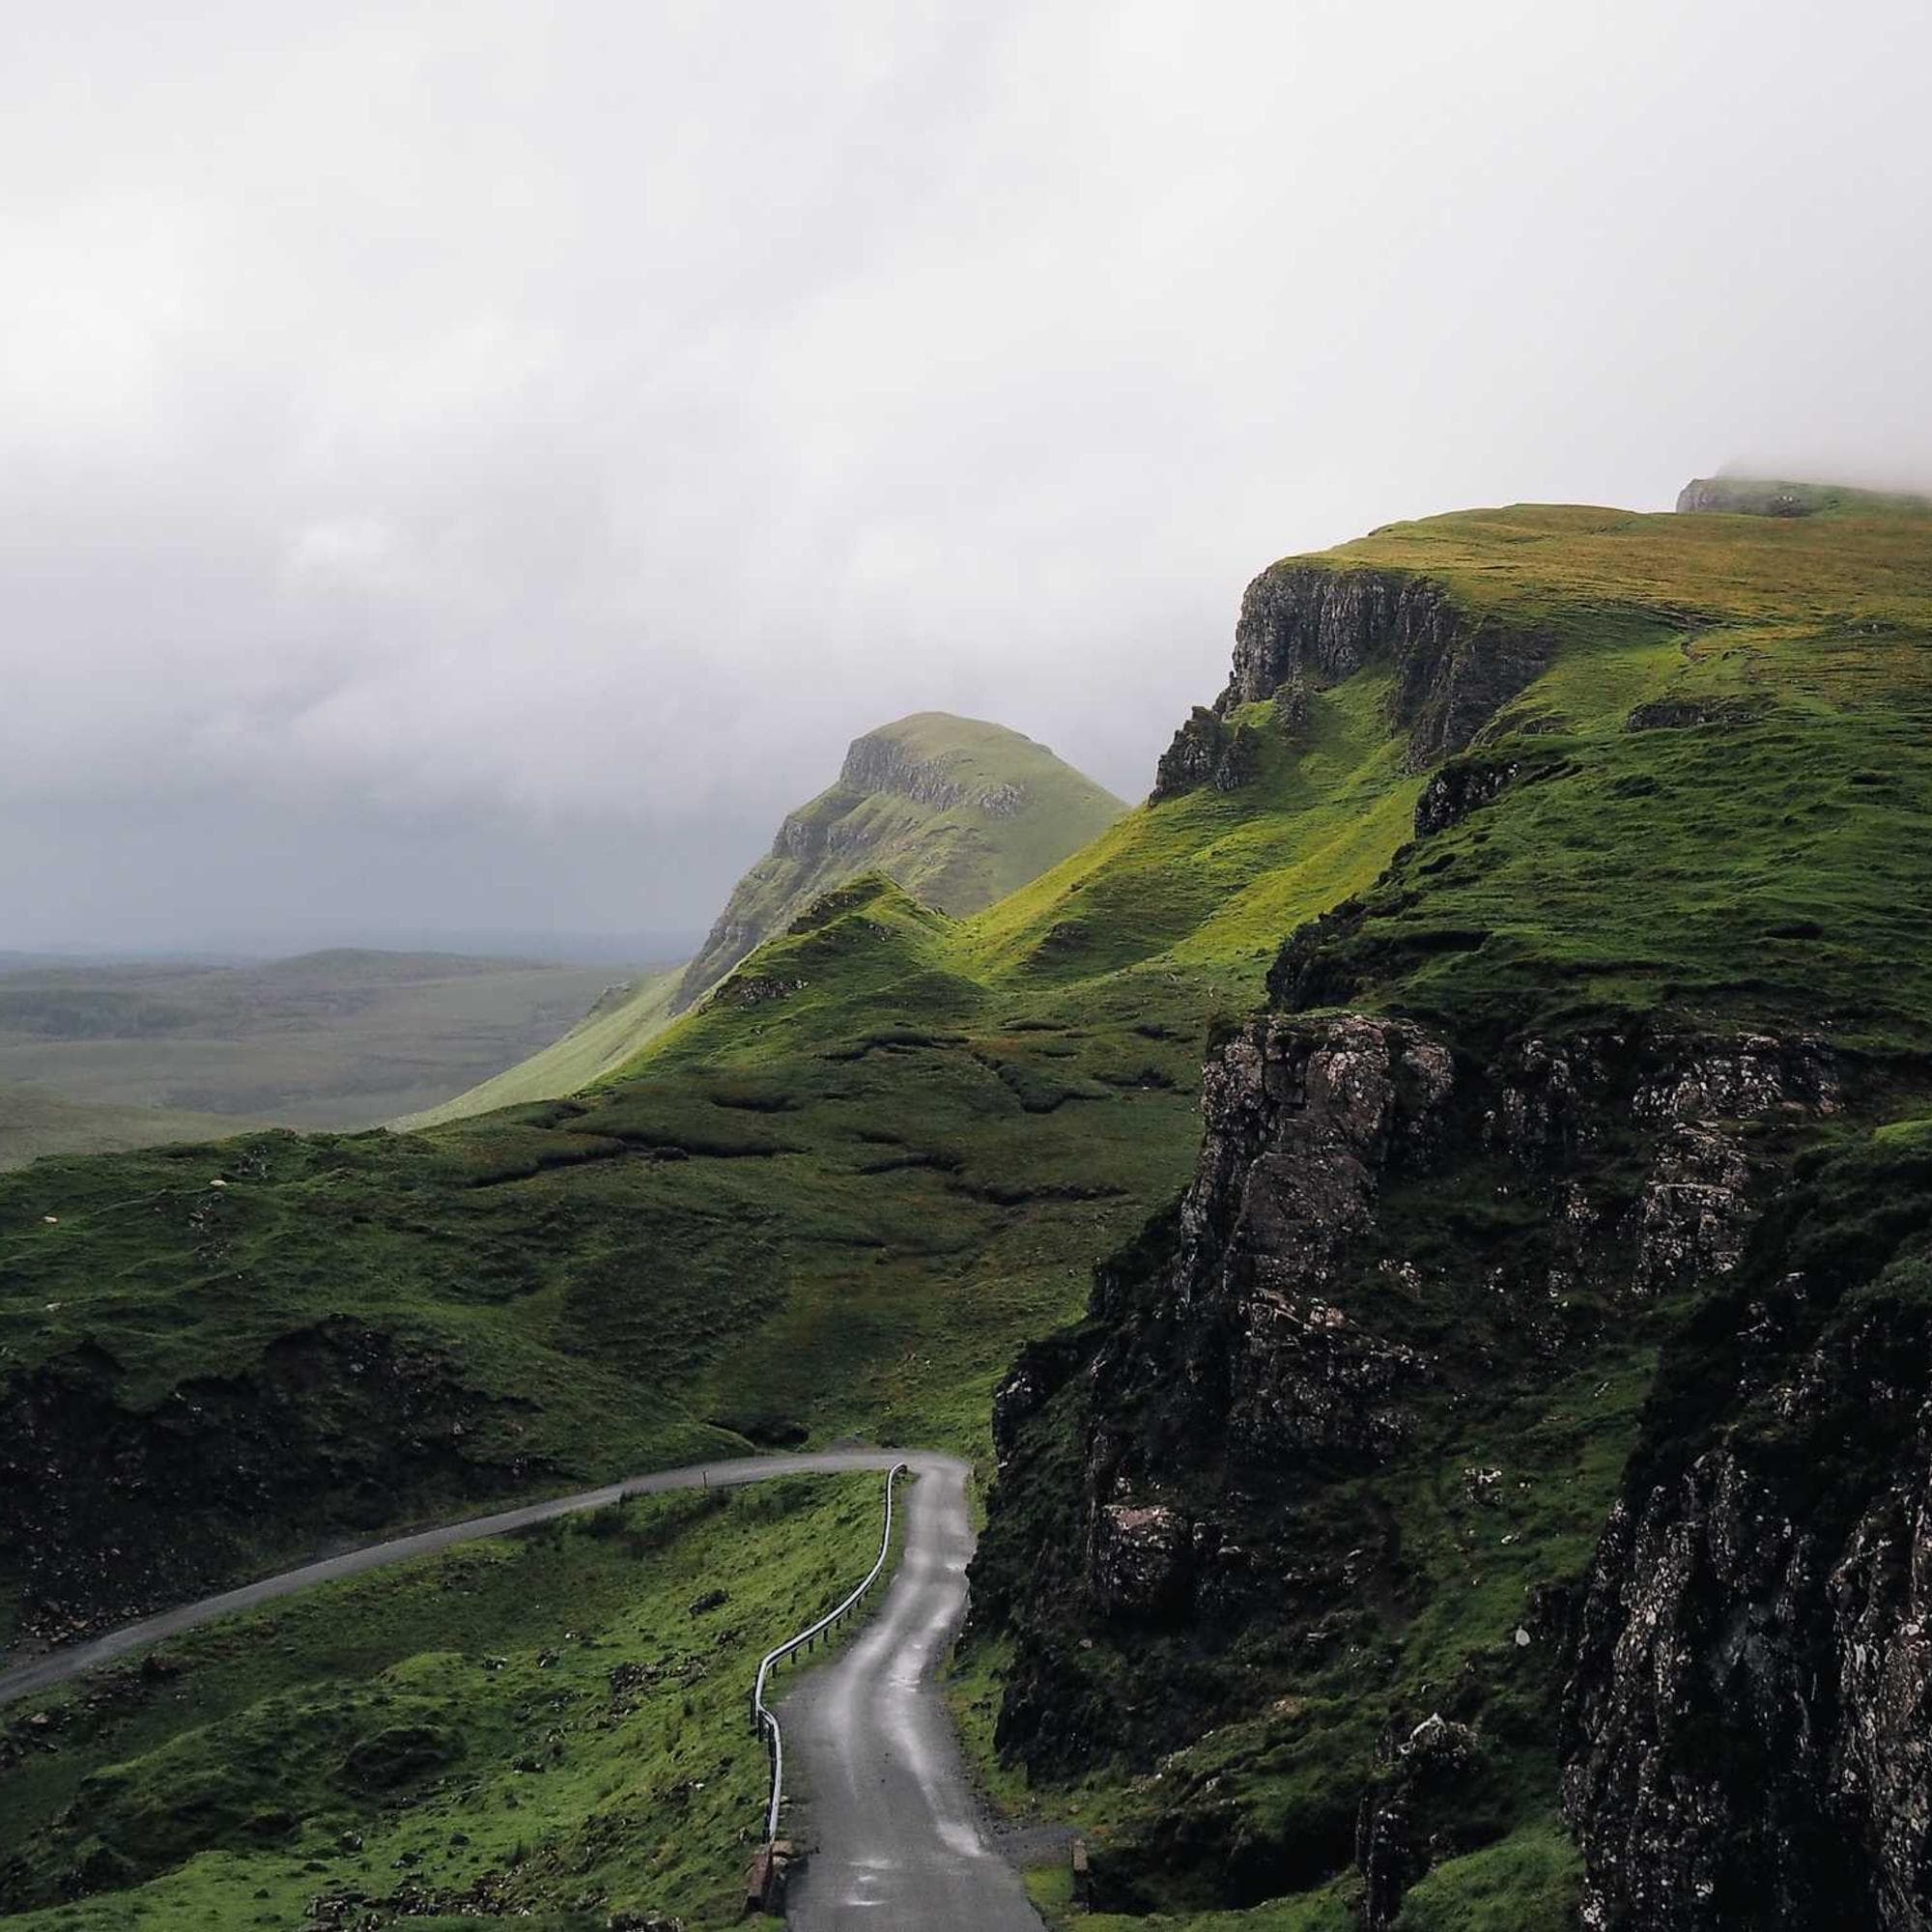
(455, 458)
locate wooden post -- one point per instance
(758, 1881)
(1082, 1883)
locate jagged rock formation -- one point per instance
(1287, 1346)
(955, 812)
(1306, 625)
(1458, 789)
(1747, 1738)
(1206, 752)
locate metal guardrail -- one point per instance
(764, 1722)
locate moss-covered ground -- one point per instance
(552, 1724)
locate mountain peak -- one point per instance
(958, 811)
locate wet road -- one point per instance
(881, 1796)
(39, 1673)
(880, 1792)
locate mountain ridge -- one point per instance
(983, 809)
(1423, 1493)
(978, 809)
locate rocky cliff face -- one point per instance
(1305, 626)
(1748, 1738)
(1385, 1248)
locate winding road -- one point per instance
(883, 1800)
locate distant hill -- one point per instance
(624, 1020)
(958, 812)
(1765, 497)
(955, 812)
(341, 1039)
(34, 1122)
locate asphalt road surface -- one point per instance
(24, 1679)
(882, 1802)
(882, 1795)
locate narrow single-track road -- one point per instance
(885, 1807)
(887, 1811)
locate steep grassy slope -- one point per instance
(958, 811)
(328, 1039)
(894, 1143)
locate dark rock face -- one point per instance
(1391, 1839)
(1205, 752)
(1301, 1120)
(1139, 1557)
(1748, 1724)
(1196, 1468)
(108, 1511)
(1316, 625)
(1678, 714)
(1456, 790)
(1322, 625)
(1304, 625)
(1291, 707)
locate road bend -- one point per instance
(884, 1802)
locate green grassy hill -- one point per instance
(958, 811)
(1676, 774)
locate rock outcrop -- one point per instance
(1678, 714)
(1304, 625)
(1379, 1235)
(1453, 671)
(1302, 1122)
(1458, 789)
(1205, 751)
(1748, 1721)
(1743, 497)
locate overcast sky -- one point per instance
(473, 466)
